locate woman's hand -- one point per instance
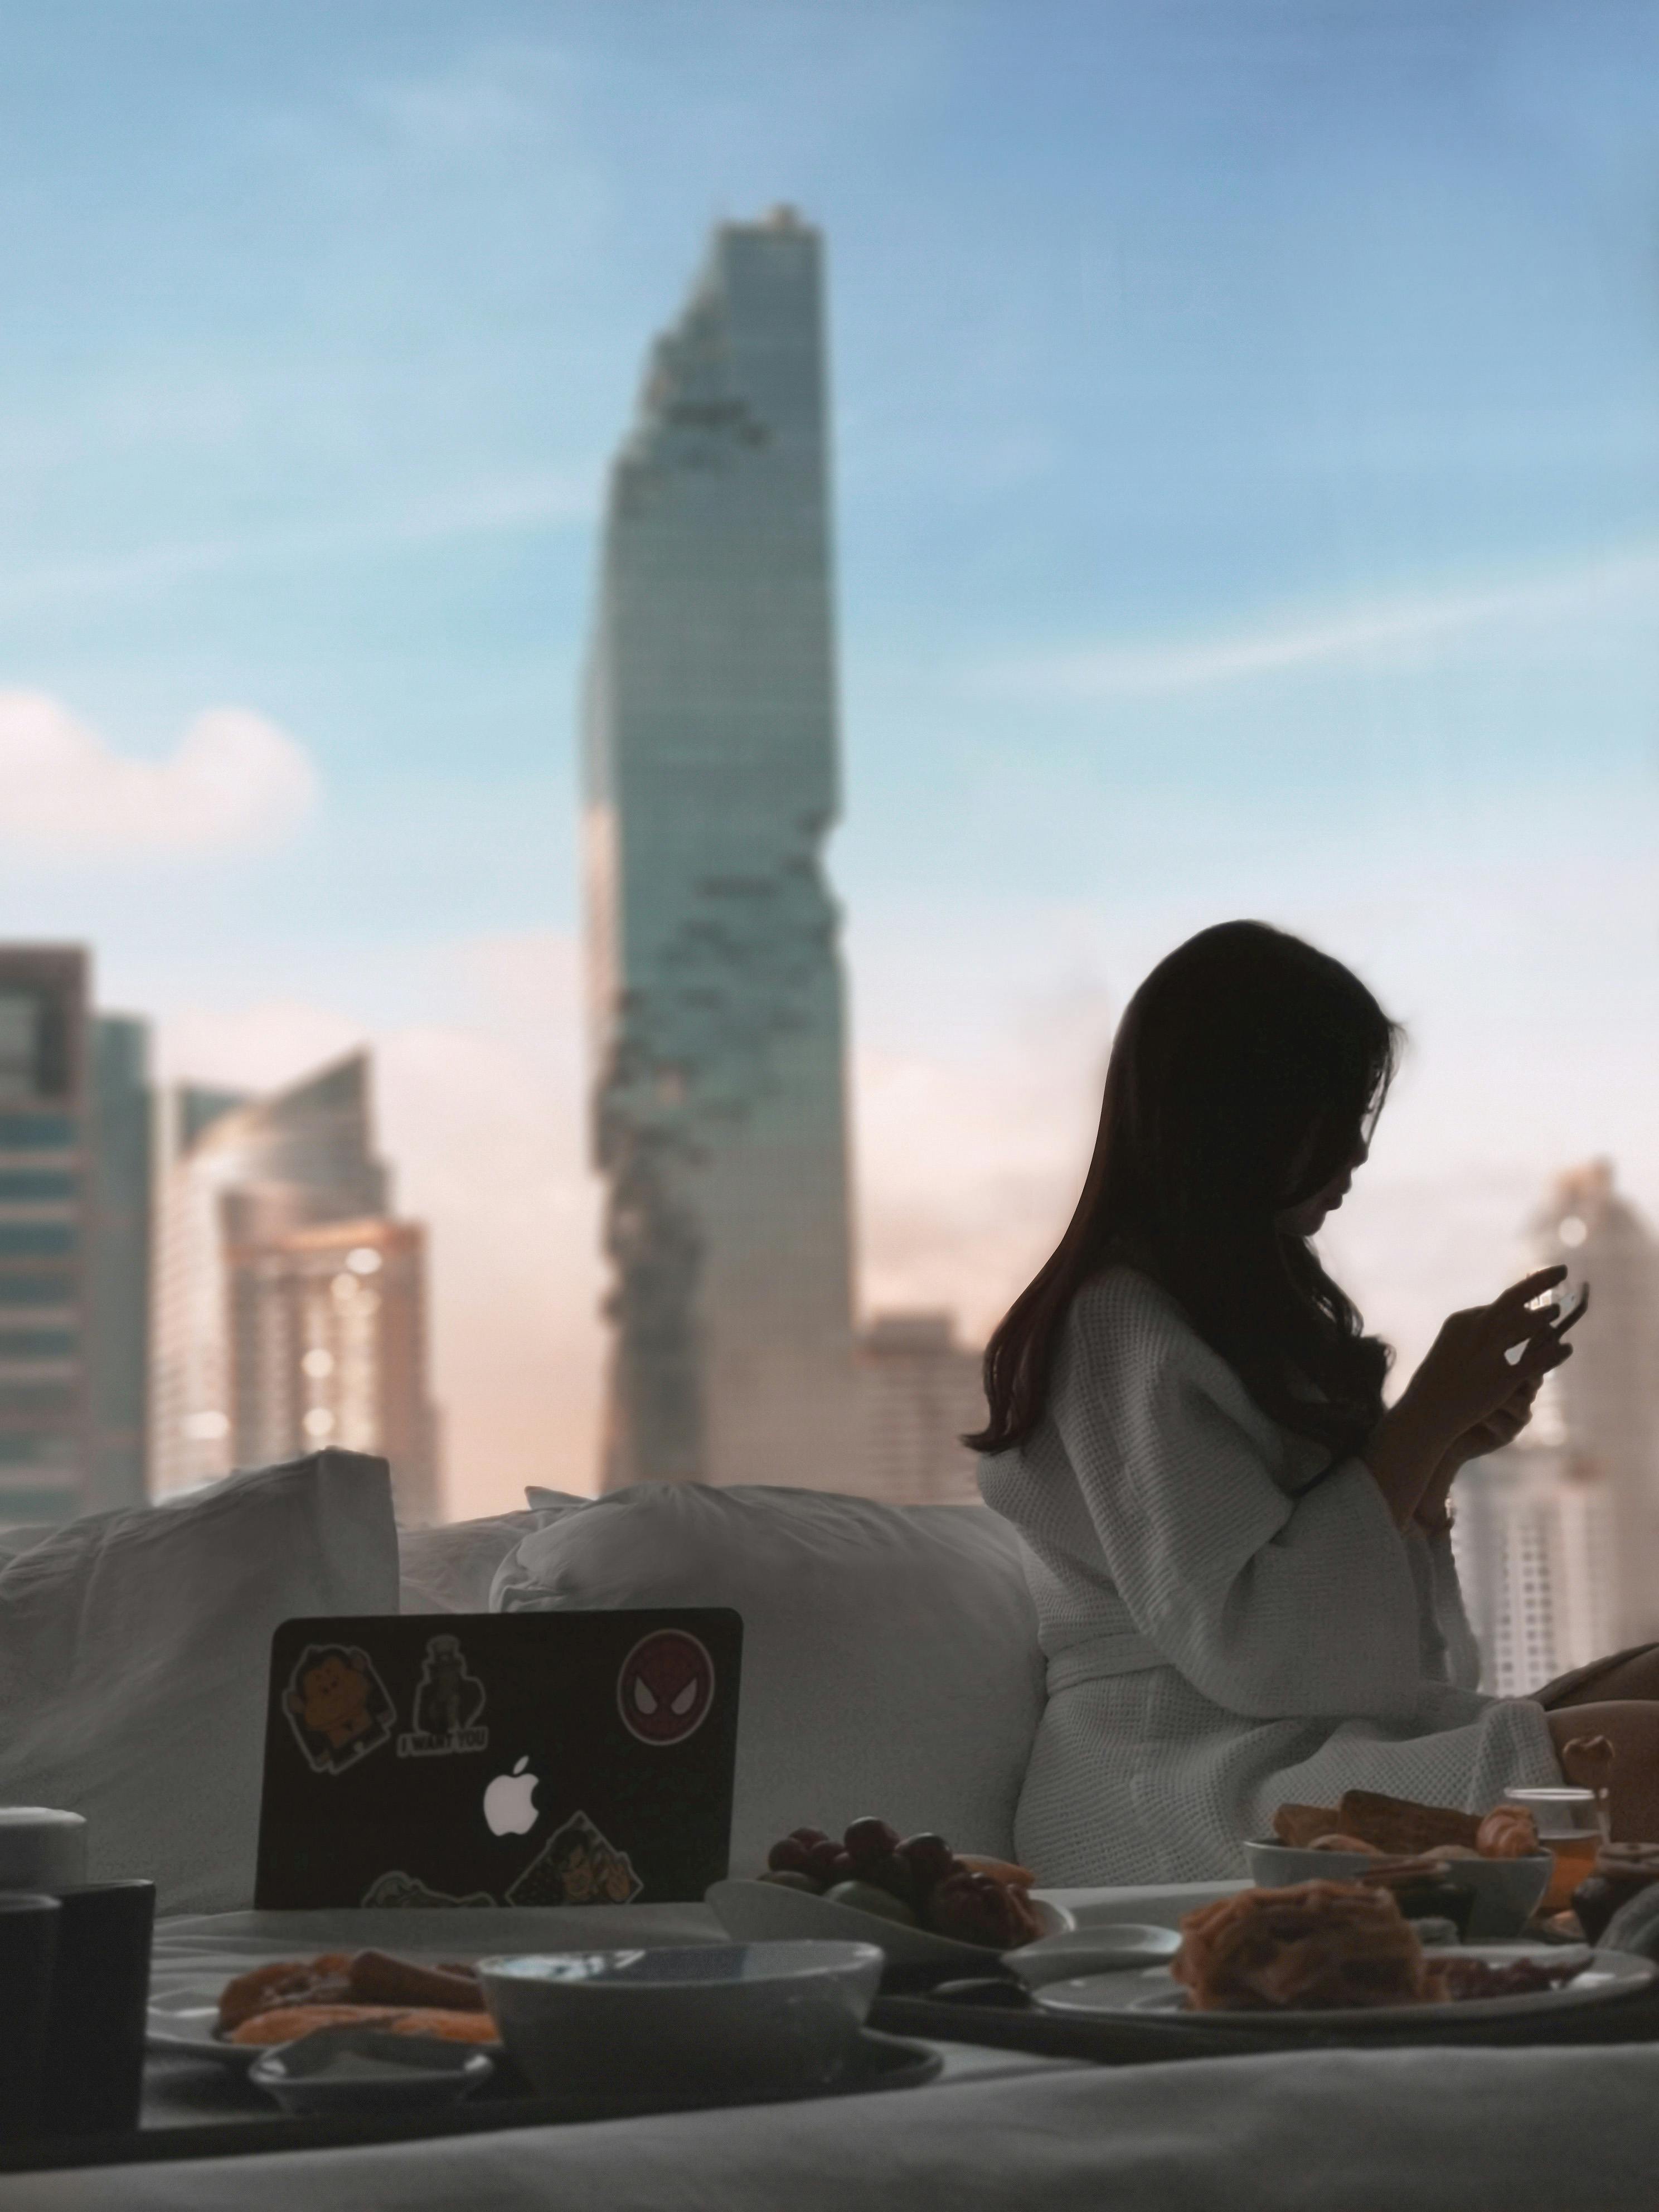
(1433, 1513)
(1499, 1428)
(1468, 1384)
(1464, 1397)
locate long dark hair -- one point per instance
(1246, 1072)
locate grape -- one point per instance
(869, 1840)
(929, 1858)
(791, 1855)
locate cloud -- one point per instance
(1390, 630)
(235, 781)
(495, 506)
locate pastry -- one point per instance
(1399, 1826)
(1321, 1944)
(1509, 1832)
(284, 1981)
(287, 2023)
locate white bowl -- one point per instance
(1507, 1892)
(718, 2016)
(770, 1912)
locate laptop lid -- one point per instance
(498, 1758)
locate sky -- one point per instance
(1247, 486)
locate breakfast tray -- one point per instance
(191, 2112)
(1154, 2040)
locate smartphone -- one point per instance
(1572, 1311)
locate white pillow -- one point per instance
(891, 1664)
(449, 1569)
(134, 1652)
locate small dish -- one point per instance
(1064, 1957)
(1507, 1892)
(762, 2015)
(770, 1912)
(362, 2069)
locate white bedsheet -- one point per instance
(1343, 2131)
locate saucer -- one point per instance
(362, 2069)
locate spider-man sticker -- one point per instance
(666, 1688)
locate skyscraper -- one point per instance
(329, 1329)
(121, 1121)
(291, 1308)
(75, 1249)
(716, 995)
(1534, 1538)
(1604, 1404)
(45, 1413)
(919, 1391)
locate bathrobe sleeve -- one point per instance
(1273, 1606)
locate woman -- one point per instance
(1241, 1558)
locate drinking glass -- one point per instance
(1573, 1826)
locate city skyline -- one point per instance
(1246, 504)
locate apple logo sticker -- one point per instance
(509, 1805)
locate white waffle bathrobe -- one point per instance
(1218, 1644)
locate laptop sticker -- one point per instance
(337, 1706)
(577, 1866)
(666, 1688)
(448, 1703)
(398, 1887)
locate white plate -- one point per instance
(1609, 1974)
(185, 2024)
(769, 1912)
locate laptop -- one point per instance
(498, 1758)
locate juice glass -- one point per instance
(1573, 1826)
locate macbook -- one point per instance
(498, 1758)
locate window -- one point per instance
(35, 1186)
(37, 1240)
(37, 1133)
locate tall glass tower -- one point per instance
(719, 1122)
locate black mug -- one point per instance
(28, 1948)
(92, 2077)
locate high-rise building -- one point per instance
(122, 1123)
(286, 1297)
(1534, 1541)
(329, 1329)
(46, 1159)
(75, 1182)
(1603, 1405)
(919, 1392)
(711, 784)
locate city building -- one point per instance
(328, 1328)
(45, 1148)
(290, 1307)
(716, 995)
(1534, 1539)
(75, 1206)
(919, 1392)
(122, 1120)
(1603, 1405)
